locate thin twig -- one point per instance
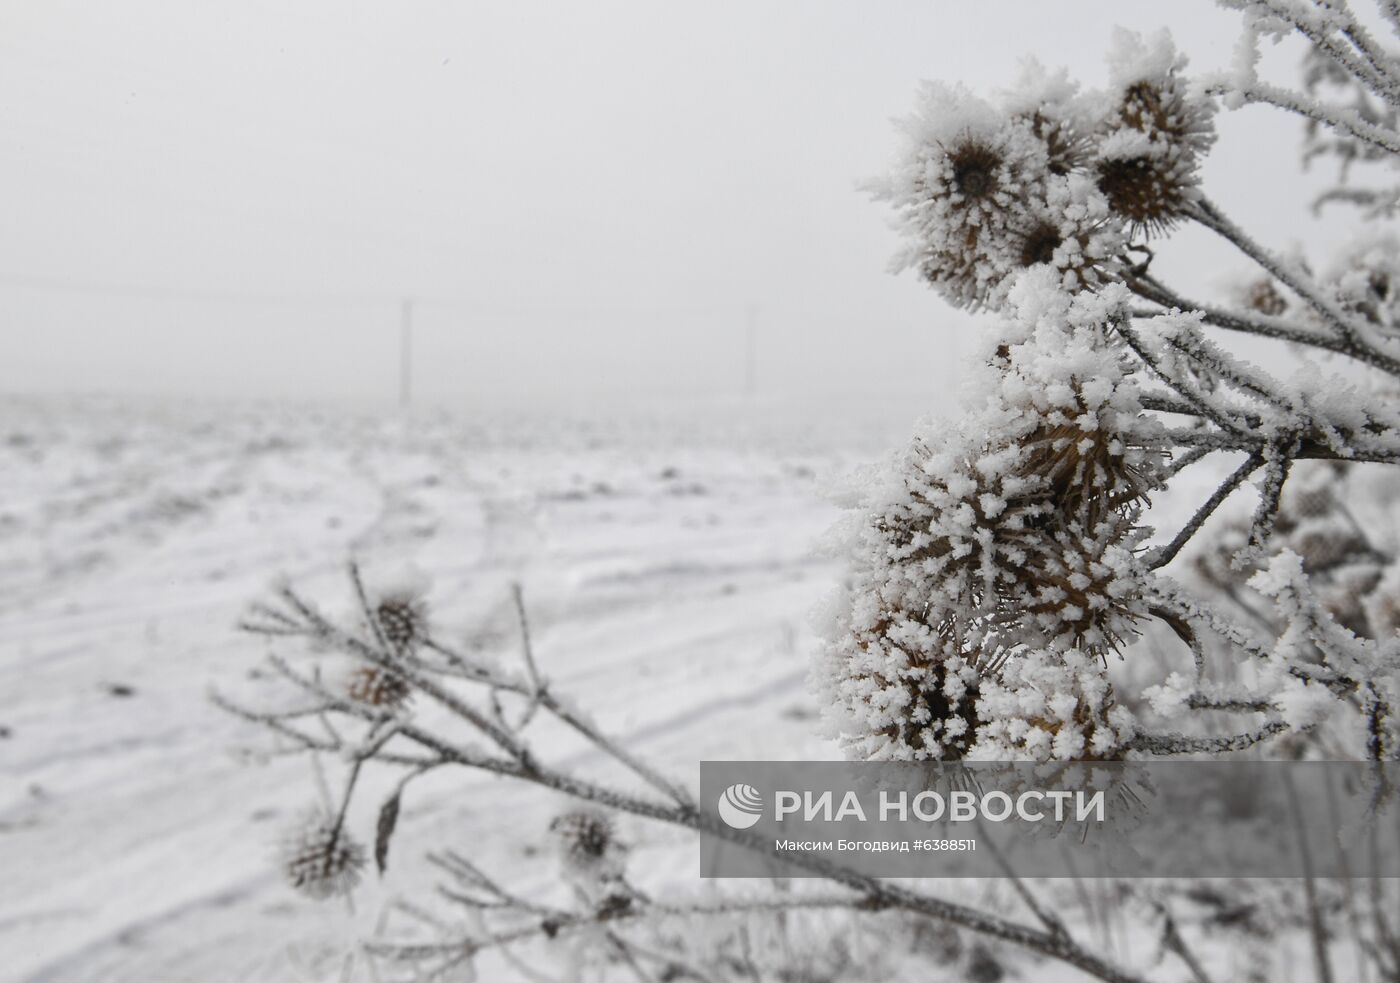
(1163, 555)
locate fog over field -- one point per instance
(584, 203)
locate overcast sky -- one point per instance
(583, 199)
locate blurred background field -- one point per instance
(669, 563)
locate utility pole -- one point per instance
(751, 351)
(406, 353)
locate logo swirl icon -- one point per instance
(741, 806)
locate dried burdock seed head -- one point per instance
(319, 858)
(1071, 232)
(1067, 148)
(377, 687)
(963, 190)
(1154, 99)
(1263, 296)
(1015, 530)
(1088, 470)
(940, 722)
(982, 198)
(1151, 191)
(906, 655)
(976, 168)
(402, 619)
(961, 183)
(1075, 589)
(1153, 142)
(1325, 546)
(589, 848)
(1047, 103)
(1161, 109)
(1052, 706)
(1364, 279)
(584, 833)
(1039, 242)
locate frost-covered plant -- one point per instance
(985, 192)
(1014, 530)
(320, 857)
(1006, 567)
(1006, 564)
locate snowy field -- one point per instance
(669, 569)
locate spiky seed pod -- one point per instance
(968, 185)
(1264, 297)
(1071, 232)
(972, 564)
(1046, 706)
(907, 656)
(588, 841)
(319, 857)
(975, 172)
(593, 858)
(960, 186)
(1039, 241)
(1155, 139)
(1018, 533)
(402, 620)
(1048, 104)
(1151, 190)
(1162, 109)
(1347, 573)
(942, 717)
(584, 835)
(1088, 468)
(377, 687)
(985, 193)
(1325, 546)
(1074, 587)
(904, 668)
(1068, 149)
(1365, 279)
(983, 966)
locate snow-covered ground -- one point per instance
(670, 564)
(669, 567)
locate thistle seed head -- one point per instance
(1264, 297)
(1150, 153)
(1039, 242)
(1162, 109)
(402, 620)
(377, 687)
(319, 857)
(587, 840)
(1151, 191)
(976, 170)
(1053, 706)
(1067, 148)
